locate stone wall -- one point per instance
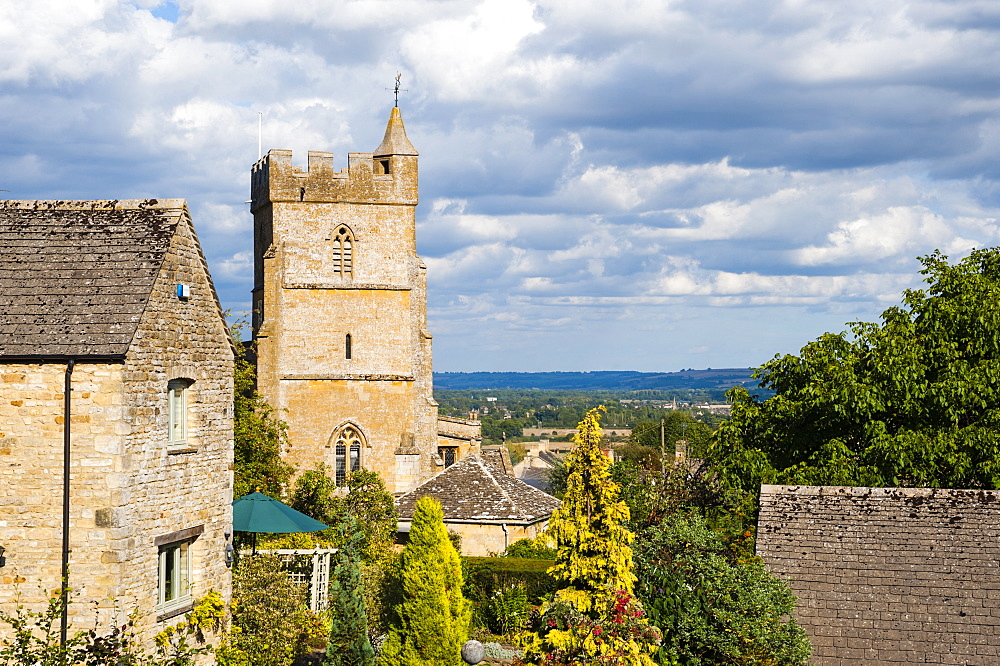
(127, 488)
(888, 576)
(171, 490)
(485, 539)
(31, 464)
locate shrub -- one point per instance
(349, 643)
(483, 575)
(432, 621)
(617, 634)
(505, 611)
(530, 549)
(713, 610)
(271, 621)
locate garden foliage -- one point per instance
(35, 638)
(911, 401)
(432, 620)
(593, 617)
(271, 622)
(258, 435)
(593, 544)
(349, 644)
(713, 607)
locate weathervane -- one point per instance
(396, 89)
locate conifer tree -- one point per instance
(594, 552)
(433, 618)
(349, 644)
(594, 617)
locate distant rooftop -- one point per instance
(479, 489)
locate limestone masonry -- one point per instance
(340, 314)
(90, 289)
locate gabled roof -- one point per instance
(75, 276)
(478, 490)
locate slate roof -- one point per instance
(75, 276)
(476, 489)
(888, 576)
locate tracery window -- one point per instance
(348, 453)
(449, 454)
(343, 252)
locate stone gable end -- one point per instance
(133, 488)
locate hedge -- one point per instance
(485, 574)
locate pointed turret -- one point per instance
(395, 141)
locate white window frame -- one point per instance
(177, 413)
(174, 576)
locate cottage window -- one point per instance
(343, 252)
(348, 454)
(174, 577)
(177, 412)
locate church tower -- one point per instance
(340, 314)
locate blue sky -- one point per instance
(625, 184)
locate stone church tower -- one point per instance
(340, 314)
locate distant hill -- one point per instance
(612, 380)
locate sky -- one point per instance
(618, 185)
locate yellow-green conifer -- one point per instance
(593, 618)
(593, 544)
(433, 618)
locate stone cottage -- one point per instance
(888, 575)
(483, 503)
(112, 300)
(340, 314)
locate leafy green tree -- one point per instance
(368, 500)
(911, 401)
(433, 617)
(258, 435)
(348, 644)
(714, 609)
(314, 493)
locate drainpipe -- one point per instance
(506, 536)
(67, 393)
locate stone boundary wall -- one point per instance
(888, 575)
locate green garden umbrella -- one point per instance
(257, 512)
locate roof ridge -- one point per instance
(483, 463)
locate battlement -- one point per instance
(389, 175)
(388, 179)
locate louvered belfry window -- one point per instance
(343, 252)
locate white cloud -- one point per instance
(693, 169)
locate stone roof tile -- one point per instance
(479, 489)
(900, 575)
(75, 276)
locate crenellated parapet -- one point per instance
(387, 176)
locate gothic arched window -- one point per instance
(343, 252)
(348, 453)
